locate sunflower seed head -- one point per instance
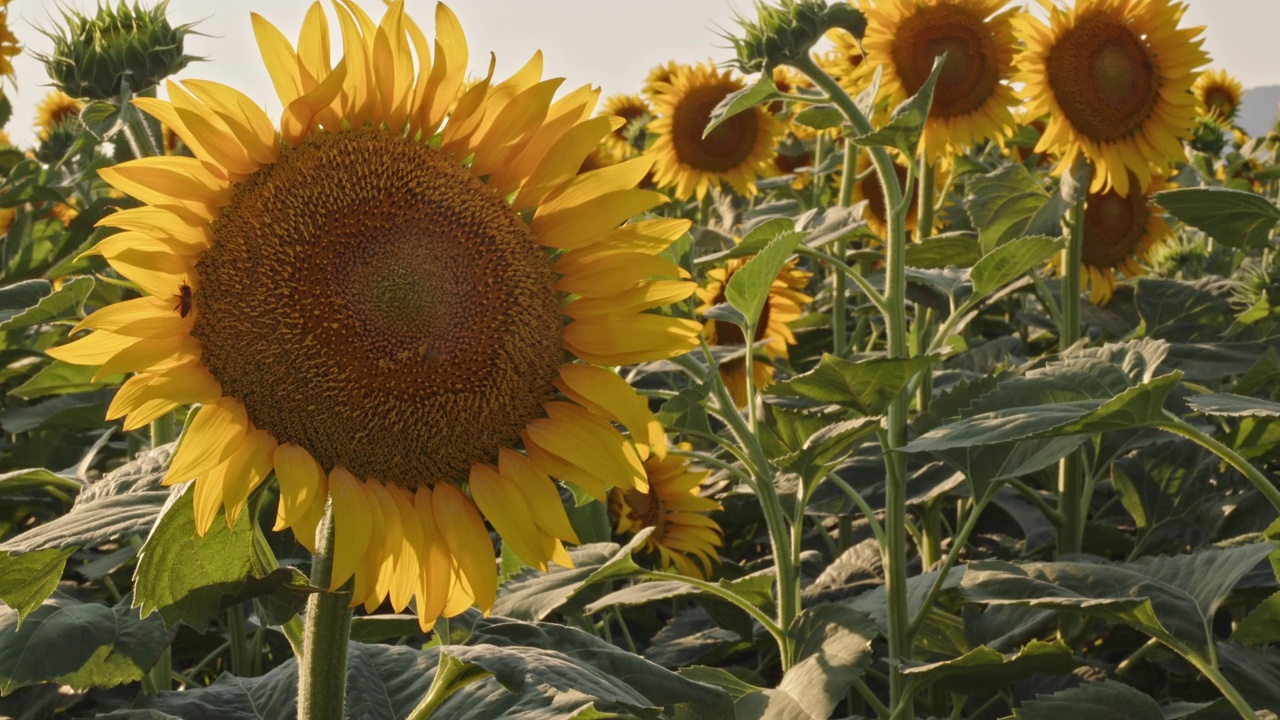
(93, 57)
(783, 33)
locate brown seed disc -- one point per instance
(725, 147)
(1113, 227)
(972, 69)
(1103, 78)
(369, 300)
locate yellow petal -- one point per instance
(578, 437)
(163, 393)
(497, 144)
(640, 338)
(649, 237)
(551, 464)
(539, 493)
(279, 57)
(248, 121)
(612, 274)
(163, 224)
(353, 525)
(146, 353)
(463, 530)
(449, 67)
(140, 317)
(390, 550)
(407, 571)
(94, 349)
(435, 577)
(302, 483)
(208, 440)
(503, 506)
(561, 161)
(609, 396)
(584, 224)
(250, 465)
(208, 496)
(645, 296)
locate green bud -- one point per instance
(781, 35)
(1209, 136)
(94, 57)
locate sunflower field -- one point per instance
(921, 362)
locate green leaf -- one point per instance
(760, 92)
(819, 117)
(77, 411)
(63, 378)
(1011, 261)
(867, 387)
(1253, 671)
(1228, 405)
(1231, 217)
(1106, 700)
(124, 502)
(188, 578)
(77, 644)
(1010, 203)
(36, 479)
(27, 580)
(1262, 626)
(381, 628)
(833, 647)
(17, 298)
(64, 303)
(748, 289)
(687, 411)
(907, 123)
(749, 701)
(532, 595)
(829, 444)
(983, 672)
(102, 119)
(940, 251)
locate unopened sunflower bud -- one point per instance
(780, 35)
(1208, 136)
(94, 57)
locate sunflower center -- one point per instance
(370, 301)
(1220, 99)
(1114, 226)
(971, 72)
(724, 148)
(1103, 78)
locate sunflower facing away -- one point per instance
(1120, 232)
(738, 151)
(381, 319)
(1114, 78)
(674, 508)
(785, 305)
(630, 108)
(55, 109)
(1219, 93)
(972, 98)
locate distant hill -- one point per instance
(1258, 109)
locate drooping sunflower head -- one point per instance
(403, 309)
(737, 151)
(1120, 232)
(56, 109)
(1220, 94)
(785, 305)
(972, 98)
(634, 112)
(1114, 77)
(684, 538)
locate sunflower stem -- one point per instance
(162, 430)
(1070, 490)
(322, 670)
(895, 549)
(840, 286)
(1264, 485)
(134, 125)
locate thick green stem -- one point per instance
(1268, 489)
(322, 669)
(925, 204)
(451, 676)
(1070, 481)
(162, 430)
(729, 596)
(895, 555)
(1229, 691)
(237, 629)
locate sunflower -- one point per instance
(1120, 231)
(661, 76)
(632, 109)
(1219, 93)
(972, 97)
(845, 62)
(8, 42)
(54, 110)
(785, 305)
(676, 510)
(1114, 77)
(738, 151)
(410, 326)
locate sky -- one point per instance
(610, 43)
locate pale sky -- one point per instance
(611, 43)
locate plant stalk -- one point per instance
(1070, 488)
(840, 283)
(1264, 485)
(322, 669)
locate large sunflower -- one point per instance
(1120, 232)
(972, 98)
(1219, 93)
(631, 108)
(673, 506)
(738, 151)
(376, 311)
(785, 305)
(55, 109)
(9, 46)
(1114, 77)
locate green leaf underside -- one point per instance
(1232, 217)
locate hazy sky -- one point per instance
(611, 43)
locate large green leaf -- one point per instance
(867, 387)
(26, 580)
(1107, 700)
(1012, 260)
(750, 702)
(188, 578)
(1228, 405)
(62, 378)
(1231, 217)
(748, 289)
(907, 122)
(16, 299)
(833, 646)
(1253, 671)
(78, 644)
(124, 502)
(532, 595)
(983, 672)
(1010, 203)
(759, 92)
(30, 480)
(63, 303)
(960, 249)
(1173, 599)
